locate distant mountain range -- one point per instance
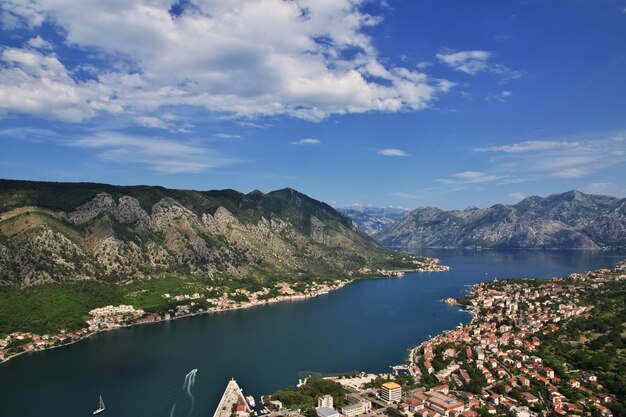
(373, 219)
(57, 232)
(571, 220)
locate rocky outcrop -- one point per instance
(127, 210)
(215, 234)
(571, 220)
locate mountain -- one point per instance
(65, 232)
(570, 220)
(373, 219)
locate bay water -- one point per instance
(368, 325)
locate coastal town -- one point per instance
(210, 300)
(498, 365)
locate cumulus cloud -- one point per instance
(39, 43)
(392, 152)
(308, 141)
(39, 84)
(307, 59)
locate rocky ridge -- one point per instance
(119, 233)
(571, 220)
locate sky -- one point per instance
(353, 102)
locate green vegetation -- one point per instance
(595, 345)
(48, 308)
(306, 396)
(393, 412)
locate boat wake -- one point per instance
(189, 382)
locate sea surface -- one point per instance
(366, 326)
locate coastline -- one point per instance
(502, 360)
(164, 316)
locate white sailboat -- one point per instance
(100, 407)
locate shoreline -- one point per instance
(337, 285)
(503, 342)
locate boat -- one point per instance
(250, 400)
(100, 407)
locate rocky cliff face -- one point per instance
(571, 220)
(51, 233)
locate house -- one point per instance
(442, 403)
(529, 398)
(573, 383)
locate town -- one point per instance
(497, 365)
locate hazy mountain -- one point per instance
(571, 220)
(52, 232)
(373, 219)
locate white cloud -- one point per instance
(517, 196)
(392, 152)
(39, 43)
(227, 136)
(471, 177)
(308, 141)
(152, 122)
(529, 146)
(556, 158)
(469, 62)
(306, 59)
(162, 155)
(501, 96)
(474, 62)
(40, 85)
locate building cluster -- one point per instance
(501, 347)
(493, 365)
(111, 317)
(21, 342)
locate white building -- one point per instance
(391, 392)
(325, 401)
(354, 409)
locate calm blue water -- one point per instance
(368, 325)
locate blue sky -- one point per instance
(404, 103)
